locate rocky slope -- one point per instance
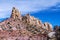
(19, 27)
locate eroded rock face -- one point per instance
(48, 26)
(15, 13)
(19, 27)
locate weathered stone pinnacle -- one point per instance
(15, 13)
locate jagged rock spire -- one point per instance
(15, 13)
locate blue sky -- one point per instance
(45, 10)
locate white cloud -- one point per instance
(26, 5)
(5, 14)
(35, 5)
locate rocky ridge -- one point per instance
(27, 25)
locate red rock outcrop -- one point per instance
(19, 27)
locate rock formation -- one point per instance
(15, 13)
(48, 26)
(19, 27)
